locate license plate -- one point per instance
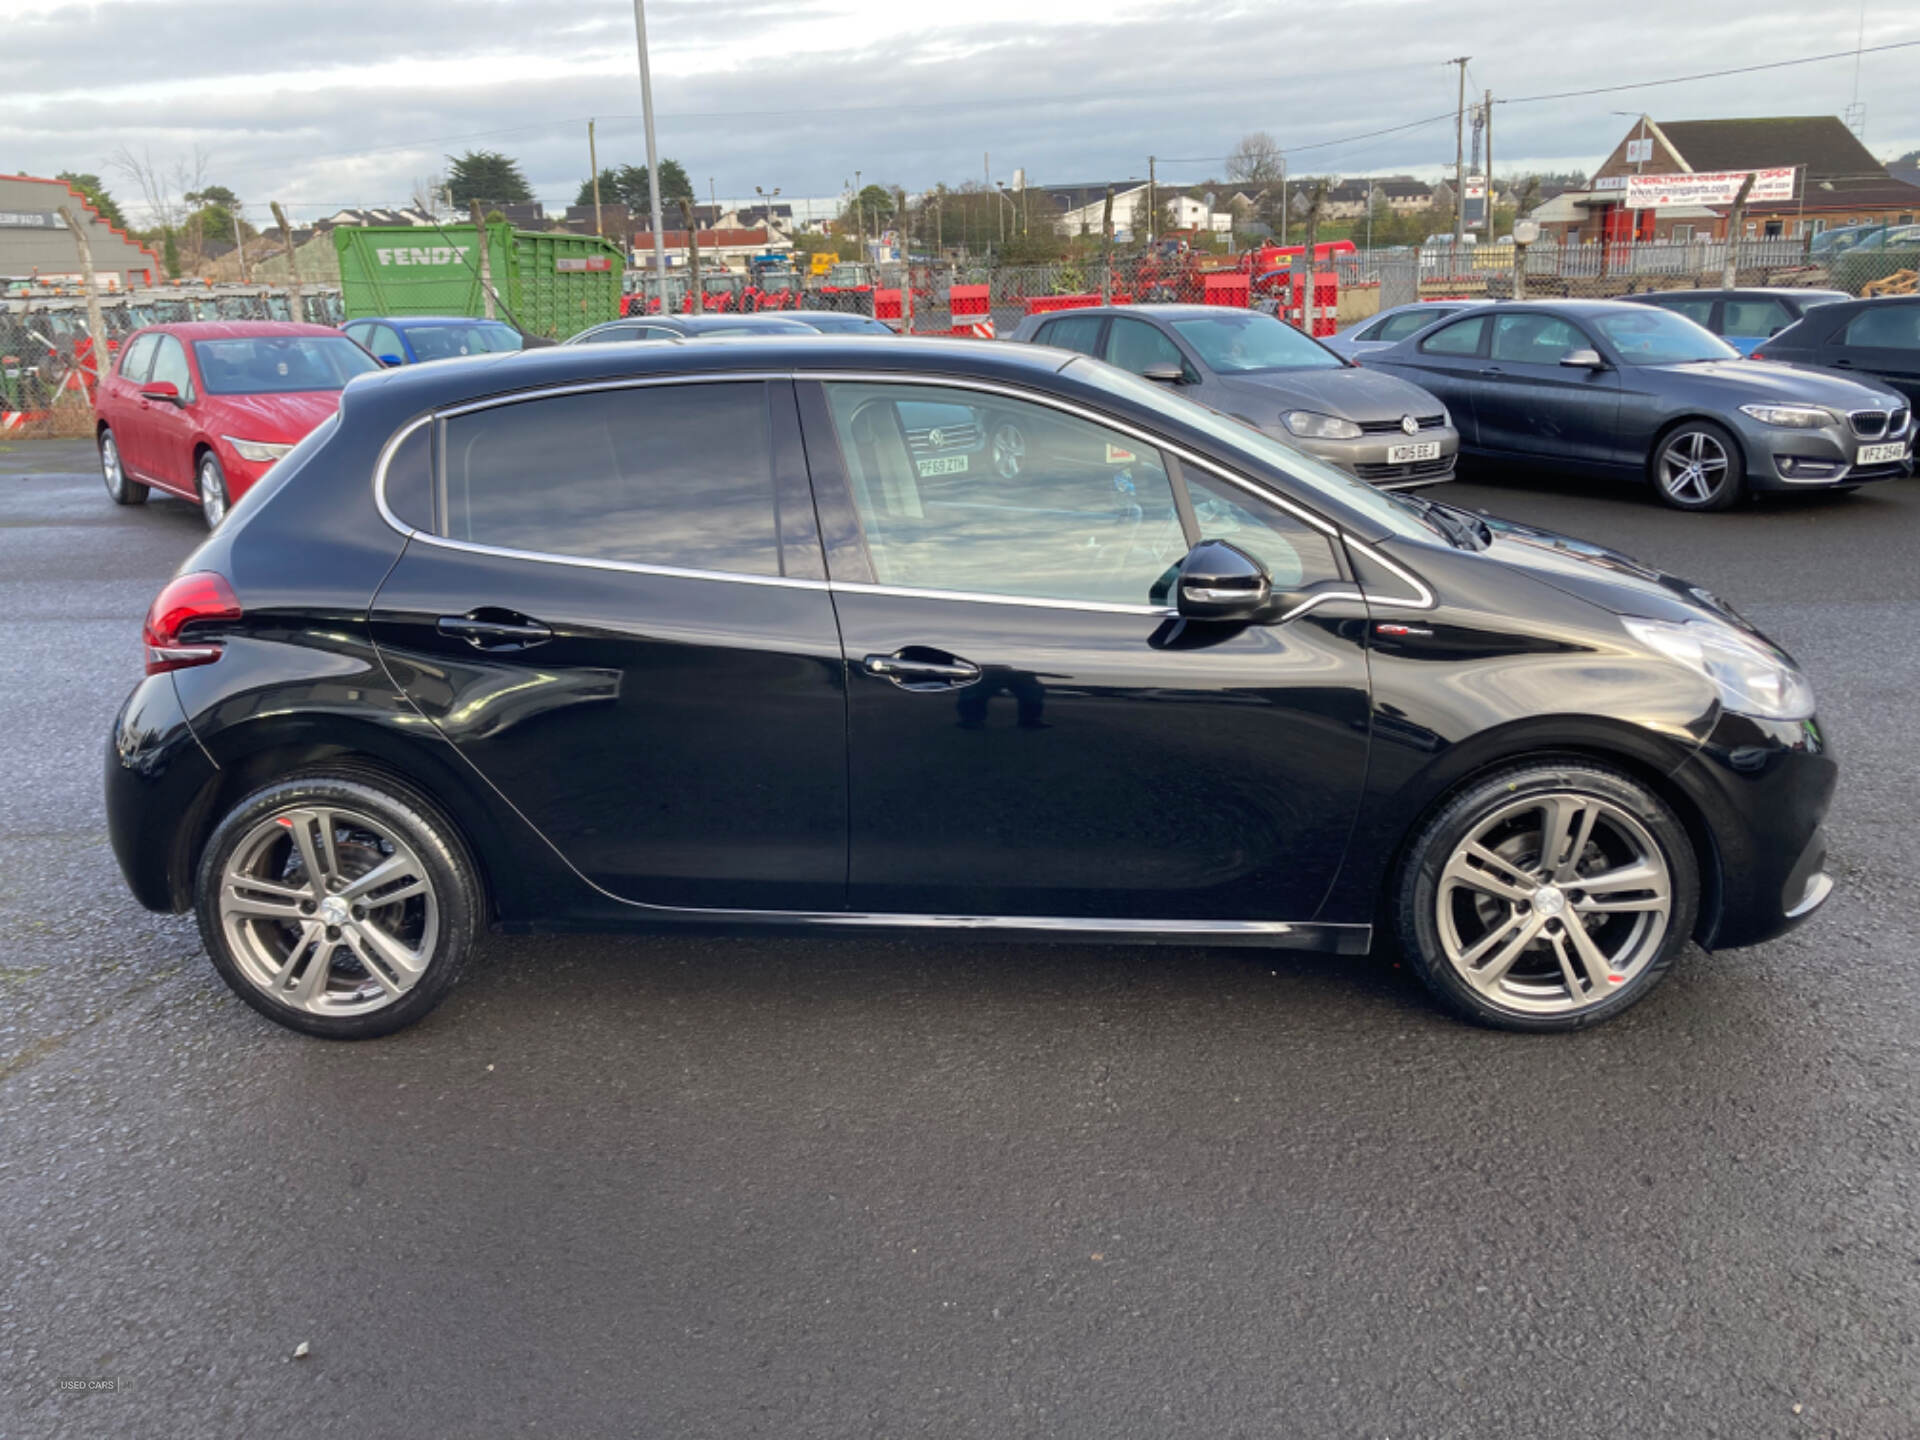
(1407, 454)
(945, 465)
(1881, 454)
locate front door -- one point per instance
(1528, 403)
(1030, 733)
(166, 441)
(621, 619)
(1880, 345)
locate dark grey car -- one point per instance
(1634, 390)
(1266, 373)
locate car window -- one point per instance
(1700, 312)
(677, 475)
(357, 333)
(1294, 553)
(1754, 317)
(1077, 332)
(1534, 339)
(280, 364)
(964, 492)
(1243, 342)
(170, 365)
(1411, 322)
(442, 342)
(1644, 335)
(609, 335)
(1462, 337)
(1886, 327)
(383, 341)
(138, 357)
(1137, 346)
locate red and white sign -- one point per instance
(568, 264)
(1661, 192)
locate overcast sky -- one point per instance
(349, 102)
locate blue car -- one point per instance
(409, 339)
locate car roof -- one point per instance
(407, 322)
(239, 329)
(1654, 297)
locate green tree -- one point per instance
(170, 255)
(96, 195)
(487, 176)
(630, 185)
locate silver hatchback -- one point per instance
(1261, 371)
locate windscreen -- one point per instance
(1239, 342)
(1659, 337)
(280, 364)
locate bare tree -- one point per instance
(162, 187)
(1255, 160)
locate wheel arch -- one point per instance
(1690, 417)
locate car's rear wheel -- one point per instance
(1547, 896)
(113, 469)
(211, 483)
(1698, 466)
(341, 905)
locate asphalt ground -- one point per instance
(708, 1187)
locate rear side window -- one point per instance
(1078, 332)
(1534, 339)
(1886, 327)
(1754, 317)
(1409, 322)
(675, 475)
(138, 357)
(1700, 312)
(1460, 338)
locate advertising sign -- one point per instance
(1473, 195)
(566, 264)
(1660, 192)
(30, 220)
(1639, 151)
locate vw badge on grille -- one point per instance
(1410, 425)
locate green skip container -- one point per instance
(553, 285)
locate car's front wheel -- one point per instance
(1698, 466)
(211, 483)
(1547, 896)
(122, 489)
(339, 904)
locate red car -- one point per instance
(203, 410)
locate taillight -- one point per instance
(187, 600)
(1756, 355)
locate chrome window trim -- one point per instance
(387, 452)
(624, 382)
(629, 567)
(978, 597)
(1423, 594)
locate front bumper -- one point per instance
(1369, 457)
(1762, 787)
(1782, 459)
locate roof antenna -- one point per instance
(1856, 112)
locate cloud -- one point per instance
(347, 103)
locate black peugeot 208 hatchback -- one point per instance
(945, 637)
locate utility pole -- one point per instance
(1106, 231)
(653, 153)
(1486, 115)
(593, 160)
(1459, 159)
(1152, 217)
(1736, 218)
(486, 260)
(1283, 201)
(96, 322)
(859, 216)
(296, 310)
(1313, 235)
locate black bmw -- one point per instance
(650, 636)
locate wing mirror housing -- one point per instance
(1166, 373)
(390, 361)
(1588, 359)
(164, 390)
(1218, 581)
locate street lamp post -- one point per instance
(653, 152)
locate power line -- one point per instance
(1708, 74)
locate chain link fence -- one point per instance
(46, 348)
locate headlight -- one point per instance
(1791, 417)
(1753, 677)
(1310, 426)
(257, 450)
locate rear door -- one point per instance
(1881, 342)
(616, 609)
(1030, 732)
(121, 405)
(1528, 403)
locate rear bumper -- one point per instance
(1763, 787)
(156, 787)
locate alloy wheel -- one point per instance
(1693, 467)
(328, 910)
(1009, 450)
(110, 466)
(213, 492)
(1554, 903)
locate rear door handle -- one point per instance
(1492, 370)
(495, 630)
(911, 672)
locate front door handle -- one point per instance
(490, 629)
(916, 668)
(1492, 371)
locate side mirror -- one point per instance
(390, 360)
(161, 390)
(1166, 373)
(1583, 360)
(1219, 581)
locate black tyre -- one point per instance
(113, 470)
(339, 904)
(1698, 466)
(210, 481)
(1546, 896)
